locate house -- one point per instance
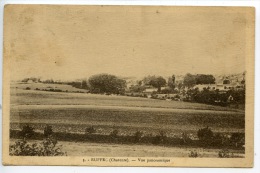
(225, 85)
(150, 90)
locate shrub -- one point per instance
(185, 139)
(224, 153)
(137, 136)
(27, 131)
(48, 131)
(46, 148)
(193, 154)
(90, 130)
(160, 138)
(205, 134)
(238, 139)
(27, 88)
(114, 133)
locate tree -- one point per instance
(189, 80)
(155, 81)
(27, 131)
(147, 80)
(158, 83)
(171, 82)
(84, 84)
(204, 79)
(137, 88)
(106, 83)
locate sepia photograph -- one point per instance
(128, 85)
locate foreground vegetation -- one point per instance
(48, 147)
(206, 138)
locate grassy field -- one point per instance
(74, 112)
(128, 120)
(20, 96)
(41, 86)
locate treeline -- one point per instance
(191, 80)
(215, 97)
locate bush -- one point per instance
(185, 139)
(205, 134)
(114, 133)
(27, 88)
(46, 148)
(160, 138)
(48, 131)
(90, 130)
(27, 131)
(138, 136)
(224, 154)
(238, 139)
(193, 154)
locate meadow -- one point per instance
(74, 112)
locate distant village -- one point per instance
(219, 90)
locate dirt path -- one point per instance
(117, 150)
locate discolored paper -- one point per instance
(127, 86)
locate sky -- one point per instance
(72, 42)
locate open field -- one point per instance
(42, 86)
(74, 112)
(76, 118)
(31, 97)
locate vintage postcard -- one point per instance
(128, 86)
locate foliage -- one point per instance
(205, 134)
(160, 138)
(224, 153)
(204, 79)
(171, 82)
(189, 80)
(50, 81)
(79, 84)
(90, 130)
(137, 136)
(238, 139)
(32, 79)
(193, 154)
(27, 131)
(239, 96)
(185, 138)
(48, 131)
(155, 81)
(137, 88)
(114, 133)
(214, 97)
(84, 84)
(166, 91)
(158, 83)
(106, 83)
(46, 148)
